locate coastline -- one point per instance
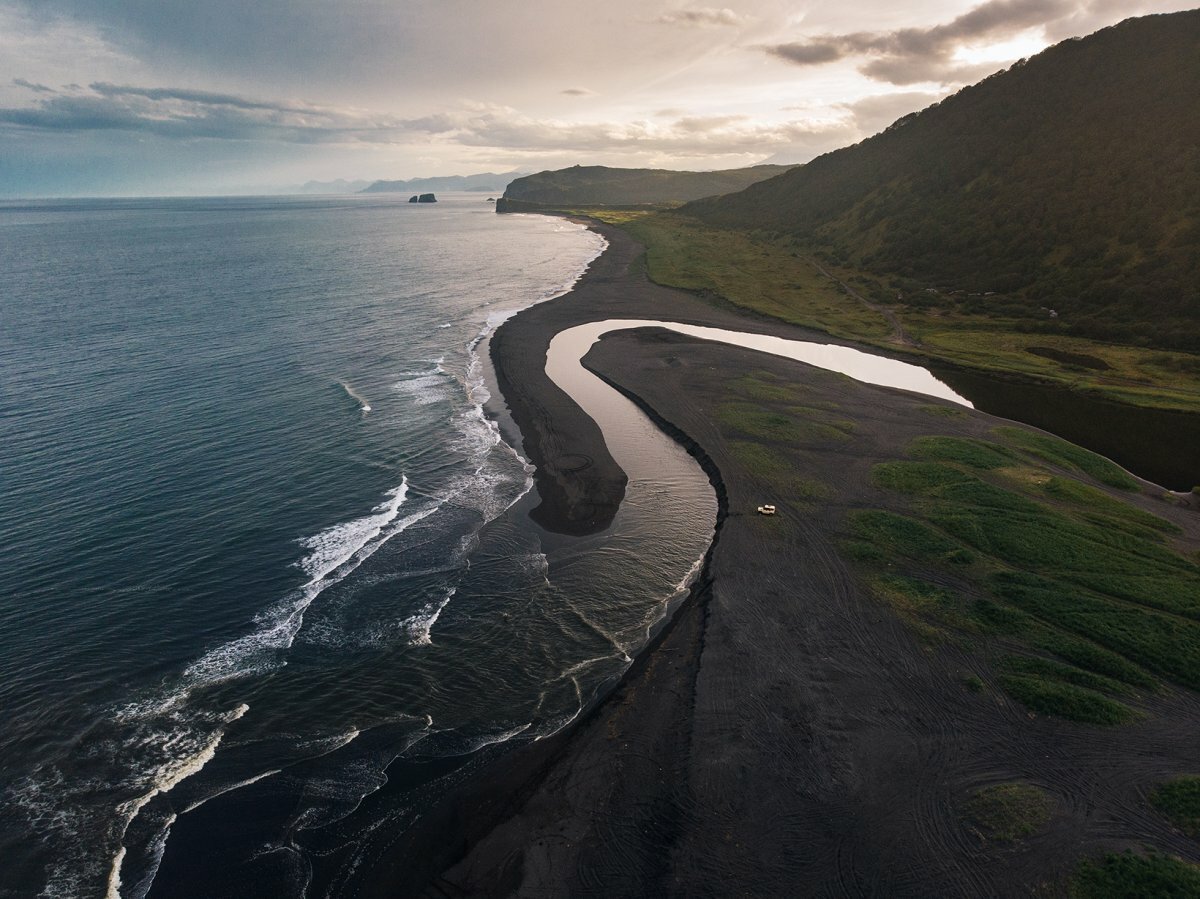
(574, 500)
(652, 791)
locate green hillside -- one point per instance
(1069, 182)
(600, 185)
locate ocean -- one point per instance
(265, 550)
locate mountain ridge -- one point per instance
(582, 185)
(484, 182)
(1068, 182)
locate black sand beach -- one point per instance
(786, 734)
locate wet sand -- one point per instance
(785, 734)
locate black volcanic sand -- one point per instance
(579, 484)
(790, 736)
(785, 734)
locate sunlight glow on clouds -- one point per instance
(1024, 45)
(116, 92)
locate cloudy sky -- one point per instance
(118, 97)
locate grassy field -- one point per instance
(1130, 876)
(1179, 800)
(1020, 548)
(1039, 563)
(1010, 811)
(1035, 575)
(780, 278)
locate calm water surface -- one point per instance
(257, 549)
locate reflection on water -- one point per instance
(1159, 445)
(865, 367)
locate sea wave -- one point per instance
(420, 625)
(333, 554)
(150, 742)
(170, 772)
(363, 405)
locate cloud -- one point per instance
(696, 124)
(814, 52)
(911, 55)
(1097, 14)
(579, 92)
(191, 114)
(36, 88)
(906, 70)
(188, 115)
(702, 17)
(873, 114)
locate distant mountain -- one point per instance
(340, 186)
(601, 185)
(1070, 181)
(488, 182)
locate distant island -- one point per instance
(485, 182)
(422, 198)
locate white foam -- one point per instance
(363, 405)
(686, 581)
(554, 726)
(428, 388)
(162, 780)
(158, 845)
(320, 746)
(335, 553)
(474, 745)
(421, 624)
(336, 545)
(236, 786)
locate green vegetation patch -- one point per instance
(1085, 654)
(980, 454)
(1039, 559)
(1179, 800)
(943, 411)
(760, 460)
(1047, 669)
(1009, 811)
(764, 386)
(752, 272)
(1053, 697)
(927, 607)
(767, 424)
(1130, 876)
(908, 537)
(1115, 511)
(1164, 643)
(915, 477)
(770, 465)
(1068, 455)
